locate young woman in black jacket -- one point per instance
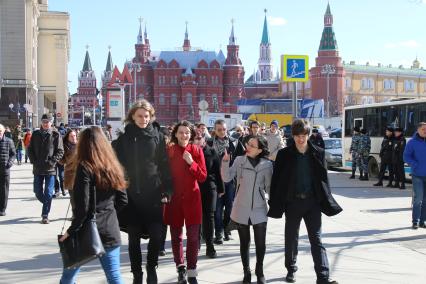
(97, 172)
(142, 152)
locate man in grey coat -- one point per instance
(44, 151)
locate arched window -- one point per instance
(189, 99)
(173, 100)
(162, 99)
(202, 97)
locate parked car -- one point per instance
(321, 130)
(333, 152)
(335, 133)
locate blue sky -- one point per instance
(385, 31)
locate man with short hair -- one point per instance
(415, 156)
(353, 150)
(316, 138)
(7, 155)
(203, 128)
(275, 140)
(300, 189)
(386, 158)
(363, 154)
(44, 151)
(221, 142)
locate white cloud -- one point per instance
(277, 21)
(406, 44)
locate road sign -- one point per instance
(295, 68)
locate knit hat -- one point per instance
(389, 128)
(399, 129)
(47, 116)
(275, 122)
(315, 130)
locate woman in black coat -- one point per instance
(210, 189)
(142, 152)
(96, 172)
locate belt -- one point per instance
(304, 195)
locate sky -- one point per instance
(374, 31)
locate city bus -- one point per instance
(405, 113)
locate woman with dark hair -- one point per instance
(97, 173)
(70, 147)
(187, 170)
(253, 172)
(142, 152)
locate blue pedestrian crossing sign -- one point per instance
(295, 68)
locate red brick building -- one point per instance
(176, 81)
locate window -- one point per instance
(409, 85)
(173, 100)
(364, 84)
(215, 103)
(141, 96)
(386, 84)
(370, 84)
(189, 99)
(162, 100)
(202, 97)
(347, 83)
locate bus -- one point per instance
(405, 113)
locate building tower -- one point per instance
(233, 75)
(186, 43)
(265, 59)
(328, 70)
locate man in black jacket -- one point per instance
(386, 158)
(7, 155)
(399, 143)
(221, 142)
(44, 151)
(300, 189)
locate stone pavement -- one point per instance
(369, 242)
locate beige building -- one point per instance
(366, 84)
(34, 55)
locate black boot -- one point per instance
(137, 277)
(365, 176)
(181, 274)
(361, 174)
(402, 186)
(210, 251)
(259, 274)
(379, 183)
(389, 184)
(247, 275)
(151, 277)
(192, 280)
(353, 174)
(396, 185)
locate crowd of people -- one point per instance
(152, 178)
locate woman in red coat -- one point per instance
(187, 168)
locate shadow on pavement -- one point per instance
(24, 220)
(386, 210)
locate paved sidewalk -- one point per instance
(369, 242)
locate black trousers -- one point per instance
(259, 240)
(383, 166)
(208, 199)
(163, 237)
(308, 210)
(399, 171)
(4, 191)
(155, 238)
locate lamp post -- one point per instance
(18, 109)
(328, 69)
(137, 67)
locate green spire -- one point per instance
(328, 39)
(328, 11)
(265, 34)
(109, 61)
(87, 66)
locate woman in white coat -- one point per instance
(253, 173)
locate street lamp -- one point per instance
(137, 67)
(18, 109)
(328, 69)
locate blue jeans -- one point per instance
(110, 262)
(225, 201)
(419, 200)
(44, 195)
(19, 155)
